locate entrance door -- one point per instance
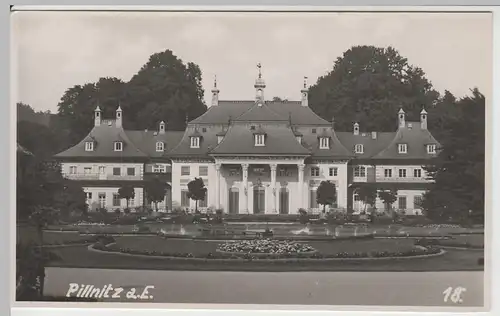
(284, 198)
(234, 201)
(259, 200)
(102, 200)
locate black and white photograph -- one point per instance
(244, 158)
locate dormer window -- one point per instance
(358, 149)
(299, 139)
(160, 146)
(89, 146)
(260, 139)
(195, 142)
(324, 143)
(431, 149)
(402, 148)
(118, 146)
(219, 139)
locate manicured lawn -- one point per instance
(150, 243)
(473, 240)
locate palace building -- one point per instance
(254, 156)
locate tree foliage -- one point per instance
(326, 194)
(367, 193)
(197, 191)
(155, 191)
(368, 85)
(126, 192)
(458, 171)
(388, 197)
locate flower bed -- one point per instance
(105, 239)
(447, 243)
(265, 246)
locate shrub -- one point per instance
(117, 211)
(126, 211)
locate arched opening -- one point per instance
(284, 201)
(259, 200)
(234, 201)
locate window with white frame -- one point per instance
(203, 171)
(195, 142)
(417, 173)
(185, 170)
(72, 169)
(402, 173)
(431, 149)
(118, 146)
(160, 146)
(388, 173)
(88, 195)
(402, 148)
(358, 149)
(259, 139)
(359, 172)
(314, 171)
(333, 171)
(159, 169)
(324, 143)
(87, 170)
(299, 138)
(89, 146)
(219, 139)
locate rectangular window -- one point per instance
(356, 198)
(118, 146)
(102, 199)
(431, 149)
(184, 198)
(87, 170)
(117, 171)
(358, 149)
(417, 201)
(72, 169)
(417, 173)
(314, 131)
(195, 142)
(359, 172)
(116, 199)
(312, 202)
(160, 146)
(219, 139)
(402, 173)
(159, 169)
(89, 146)
(130, 171)
(388, 173)
(314, 171)
(324, 143)
(203, 203)
(102, 169)
(402, 148)
(88, 195)
(203, 171)
(259, 140)
(402, 202)
(185, 171)
(131, 202)
(333, 172)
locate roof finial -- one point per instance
(215, 81)
(259, 66)
(305, 82)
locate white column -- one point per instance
(244, 168)
(217, 186)
(273, 186)
(301, 185)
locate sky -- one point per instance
(53, 51)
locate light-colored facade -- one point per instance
(255, 156)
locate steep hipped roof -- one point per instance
(146, 141)
(416, 139)
(259, 113)
(284, 110)
(208, 140)
(371, 146)
(310, 140)
(279, 140)
(104, 136)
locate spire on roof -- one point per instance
(119, 116)
(423, 111)
(401, 118)
(259, 87)
(305, 92)
(97, 116)
(215, 93)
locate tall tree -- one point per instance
(388, 197)
(367, 194)
(326, 194)
(458, 171)
(368, 85)
(165, 89)
(197, 191)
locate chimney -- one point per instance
(97, 116)
(162, 127)
(401, 118)
(423, 119)
(215, 93)
(356, 128)
(119, 117)
(374, 135)
(305, 94)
